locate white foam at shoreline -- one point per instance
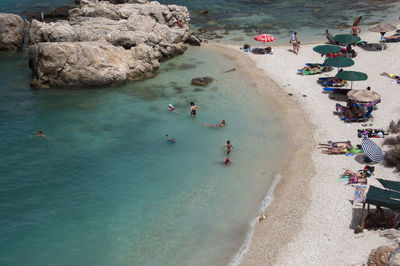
(265, 203)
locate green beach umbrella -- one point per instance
(339, 62)
(346, 38)
(326, 49)
(352, 76)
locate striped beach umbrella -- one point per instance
(372, 150)
(264, 38)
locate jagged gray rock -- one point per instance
(394, 258)
(11, 31)
(72, 64)
(160, 30)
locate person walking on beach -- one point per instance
(193, 108)
(293, 40)
(297, 48)
(228, 147)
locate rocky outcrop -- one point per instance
(73, 64)
(138, 25)
(11, 31)
(379, 256)
(394, 258)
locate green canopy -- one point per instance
(326, 49)
(384, 198)
(352, 75)
(346, 38)
(339, 62)
(393, 185)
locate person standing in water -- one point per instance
(228, 147)
(193, 108)
(170, 141)
(293, 40)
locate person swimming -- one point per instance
(222, 124)
(40, 134)
(171, 107)
(170, 141)
(193, 108)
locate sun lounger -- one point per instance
(337, 90)
(365, 117)
(320, 69)
(324, 82)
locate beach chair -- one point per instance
(365, 117)
(320, 69)
(337, 90)
(323, 81)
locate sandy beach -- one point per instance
(311, 219)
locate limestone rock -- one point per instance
(379, 256)
(11, 31)
(394, 258)
(133, 27)
(73, 64)
(193, 40)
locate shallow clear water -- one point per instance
(106, 187)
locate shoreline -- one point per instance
(310, 220)
(287, 190)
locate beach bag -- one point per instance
(370, 168)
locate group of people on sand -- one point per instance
(339, 147)
(343, 147)
(353, 110)
(247, 48)
(193, 112)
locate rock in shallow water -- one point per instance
(88, 64)
(202, 81)
(11, 31)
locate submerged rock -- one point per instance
(157, 30)
(11, 31)
(202, 81)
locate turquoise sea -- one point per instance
(106, 188)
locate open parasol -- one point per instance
(346, 38)
(264, 38)
(372, 150)
(364, 96)
(382, 27)
(352, 76)
(339, 62)
(326, 49)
